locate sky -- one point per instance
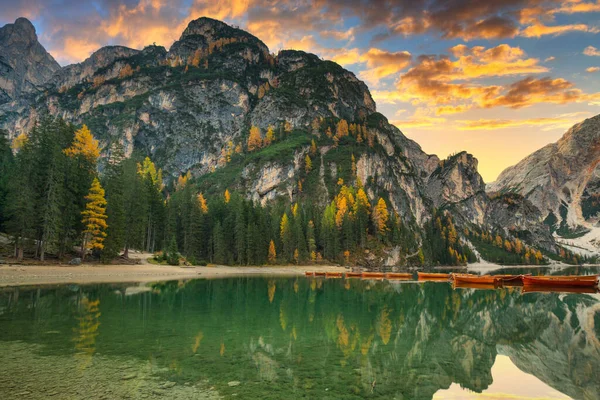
(497, 78)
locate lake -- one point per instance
(283, 338)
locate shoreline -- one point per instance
(27, 275)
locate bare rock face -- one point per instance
(562, 179)
(456, 179)
(24, 63)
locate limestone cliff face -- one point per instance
(562, 179)
(24, 63)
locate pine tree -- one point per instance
(172, 252)
(219, 244)
(94, 219)
(362, 210)
(310, 237)
(6, 170)
(115, 210)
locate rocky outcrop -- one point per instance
(24, 63)
(561, 179)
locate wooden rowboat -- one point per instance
(320, 273)
(558, 289)
(373, 275)
(511, 280)
(333, 274)
(579, 281)
(430, 276)
(470, 278)
(399, 275)
(353, 274)
(309, 273)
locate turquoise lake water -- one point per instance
(286, 338)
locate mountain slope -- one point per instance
(562, 179)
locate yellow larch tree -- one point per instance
(341, 129)
(19, 141)
(227, 196)
(270, 136)
(381, 216)
(313, 148)
(254, 140)
(307, 164)
(84, 145)
(203, 204)
(272, 253)
(94, 219)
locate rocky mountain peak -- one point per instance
(24, 63)
(25, 30)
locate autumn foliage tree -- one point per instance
(254, 140)
(94, 219)
(84, 145)
(381, 216)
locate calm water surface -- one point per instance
(283, 338)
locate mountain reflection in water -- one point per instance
(295, 337)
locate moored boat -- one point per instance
(470, 278)
(398, 275)
(333, 274)
(319, 273)
(309, 273)
(373, 275)
(580, 281)
(511, 280)
(431, 276)
(353, 274)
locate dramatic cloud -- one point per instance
(383, 63)
(539, 30)
(447, 83)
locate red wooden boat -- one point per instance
(558, 289)
(309, 273)
(320, 273)
(333, 274)
(431, 276)
(373, 275)
(470, 278)
(398, 275)
(580, 281)
(353, 274)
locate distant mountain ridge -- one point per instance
(562, 179)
